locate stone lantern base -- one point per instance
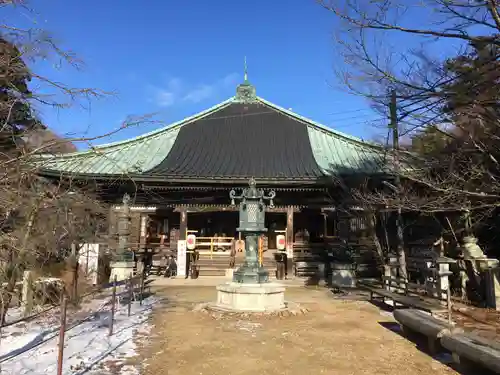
(251, 275)
(343, 275)
(251, 297)
(122, 270)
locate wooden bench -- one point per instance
(416, 321)
(470, 349)
(403, 293)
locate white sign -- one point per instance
(281, 242)
(89, 261)
(181, 258)
(191, 241)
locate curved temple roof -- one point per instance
(245, 136)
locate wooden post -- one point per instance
(448, 305)
(62, 330)
(142, 289)
(130, 294)
(325, 225)
(289, 241)
(113, 300)
(27, 293)
(74, 255)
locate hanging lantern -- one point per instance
(191, 242)
(281, 242)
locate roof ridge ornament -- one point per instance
(245, 92)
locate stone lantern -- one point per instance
(123, 259)
(252, 219)
(250, 290)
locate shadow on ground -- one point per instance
(443, 356)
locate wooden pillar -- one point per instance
(289, 241)
(325, 225)
(183, 224)
(182, 258)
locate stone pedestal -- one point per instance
(343, 275)
(443, 264)
(391, 271)
(251, 297)
(122, 270)
(480, 264)
(229, 272)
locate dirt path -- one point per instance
(334, 337)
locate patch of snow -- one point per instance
(13, 313)
(88, 349)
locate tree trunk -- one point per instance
(400, 246)
(6, 296)
(372, 222)
(16, 265)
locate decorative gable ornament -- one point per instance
(245, 93)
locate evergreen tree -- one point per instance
(16, 114)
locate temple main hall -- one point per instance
(179, 178)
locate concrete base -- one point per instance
(122, 270)
(251, 297)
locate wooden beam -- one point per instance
(228, 208)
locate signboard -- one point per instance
(181, 258)
(280, 241)
(191, 241)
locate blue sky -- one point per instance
(176, 58)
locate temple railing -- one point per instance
(207, 245)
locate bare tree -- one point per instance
(40, 219)
(453, 98)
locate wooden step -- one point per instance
(212, 272)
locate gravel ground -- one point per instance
(334, 337)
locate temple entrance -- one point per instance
(215, 231)
(214, 224)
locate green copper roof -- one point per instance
(134, 155)
(334, 152)
(339, 153)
